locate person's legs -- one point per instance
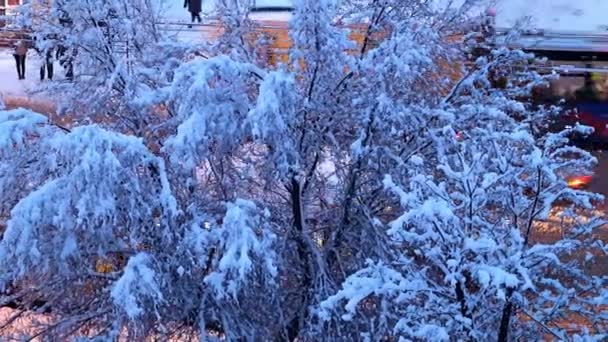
(20, 62)
(49, 68)
(17, 65)
(70, 71)
(23, 66)
(198, 17)
(42, 72)
(192, 17)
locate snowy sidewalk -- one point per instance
(18, 93)
(10, 85)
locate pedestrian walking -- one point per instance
(20, 54)
(66, 57)
(47, 65)
(194, 7)
(46, 53)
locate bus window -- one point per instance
(586, 101)
(577, 88)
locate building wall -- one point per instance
(7, 8)
(7, 5)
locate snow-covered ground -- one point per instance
(559, 15)
(10, 85)
(173, 10)
(26, 93)
(556, 15)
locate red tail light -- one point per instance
(579, 182)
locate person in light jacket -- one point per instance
(20, 54)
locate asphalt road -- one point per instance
(599, 182)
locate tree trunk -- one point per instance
(503, 332)
(294, 326)
(464, 309)
(461, 299)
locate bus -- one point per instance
(583, 87)
(585, 94)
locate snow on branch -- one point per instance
(242, 238)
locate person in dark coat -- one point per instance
(48, 65)
(66, 58)
(194, 7)
(66, 55)
(46, 53)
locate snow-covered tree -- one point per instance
(378, 188)
(468, 261)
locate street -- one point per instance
(599, 182)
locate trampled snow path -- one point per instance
(10, 85)
(21, 93)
